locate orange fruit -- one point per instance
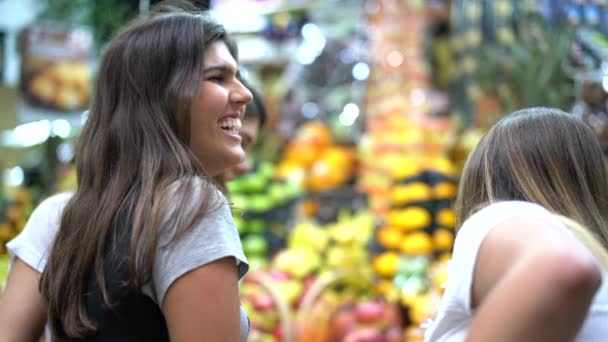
(389, 237)
(446, 218)
(301, 153)
(417, 243)
(413, 192)
(386, 264)
(443, 239)
(444, 190)
(417, 218)
(315, 133)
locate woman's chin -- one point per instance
(225, 162)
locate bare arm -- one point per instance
(532, 282)
(203, 305)
(22, 308)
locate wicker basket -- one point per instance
(283, 310)
(316, 327)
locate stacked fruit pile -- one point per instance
(416, 237)
(315, 161)
(313, 252)
(262, 210)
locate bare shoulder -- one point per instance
(536, 245)
(521, 232)
(203, 304)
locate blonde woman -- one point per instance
(530, 253)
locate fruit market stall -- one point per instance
(347, 218)
(343, 272)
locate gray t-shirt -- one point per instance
(213, 238)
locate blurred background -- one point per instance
(373, 106)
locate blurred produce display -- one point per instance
(347, 217)
(263, 207)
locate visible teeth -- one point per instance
(231, 124)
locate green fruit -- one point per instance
(241, 224)
(266, 169)
(259, 203)
(239, 202)
(255, 245)
(256, 226)
(256, 262)
(292, 189)
(235, 186)
(277, 192)
(254, 183)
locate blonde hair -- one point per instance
(586, 238)
(544, 156)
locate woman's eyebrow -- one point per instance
(223, 69)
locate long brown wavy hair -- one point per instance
(540, 155)
(133, 157)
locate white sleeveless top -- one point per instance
(455, 312)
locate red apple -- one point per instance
(279, 275)
(370, 312)
(365, 335)
(262, 302)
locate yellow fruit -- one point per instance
(444, 190)
(407, 219)
(290, 290)
(387, 289)
(417, 243)
(386, 264)
(446, 218)
(389, 237)
(443, 239)
(399, 194)
(441, 165)
(413, 192)
(404, 168)
(298, 262)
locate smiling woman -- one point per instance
(146, 248)
(218, 110)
